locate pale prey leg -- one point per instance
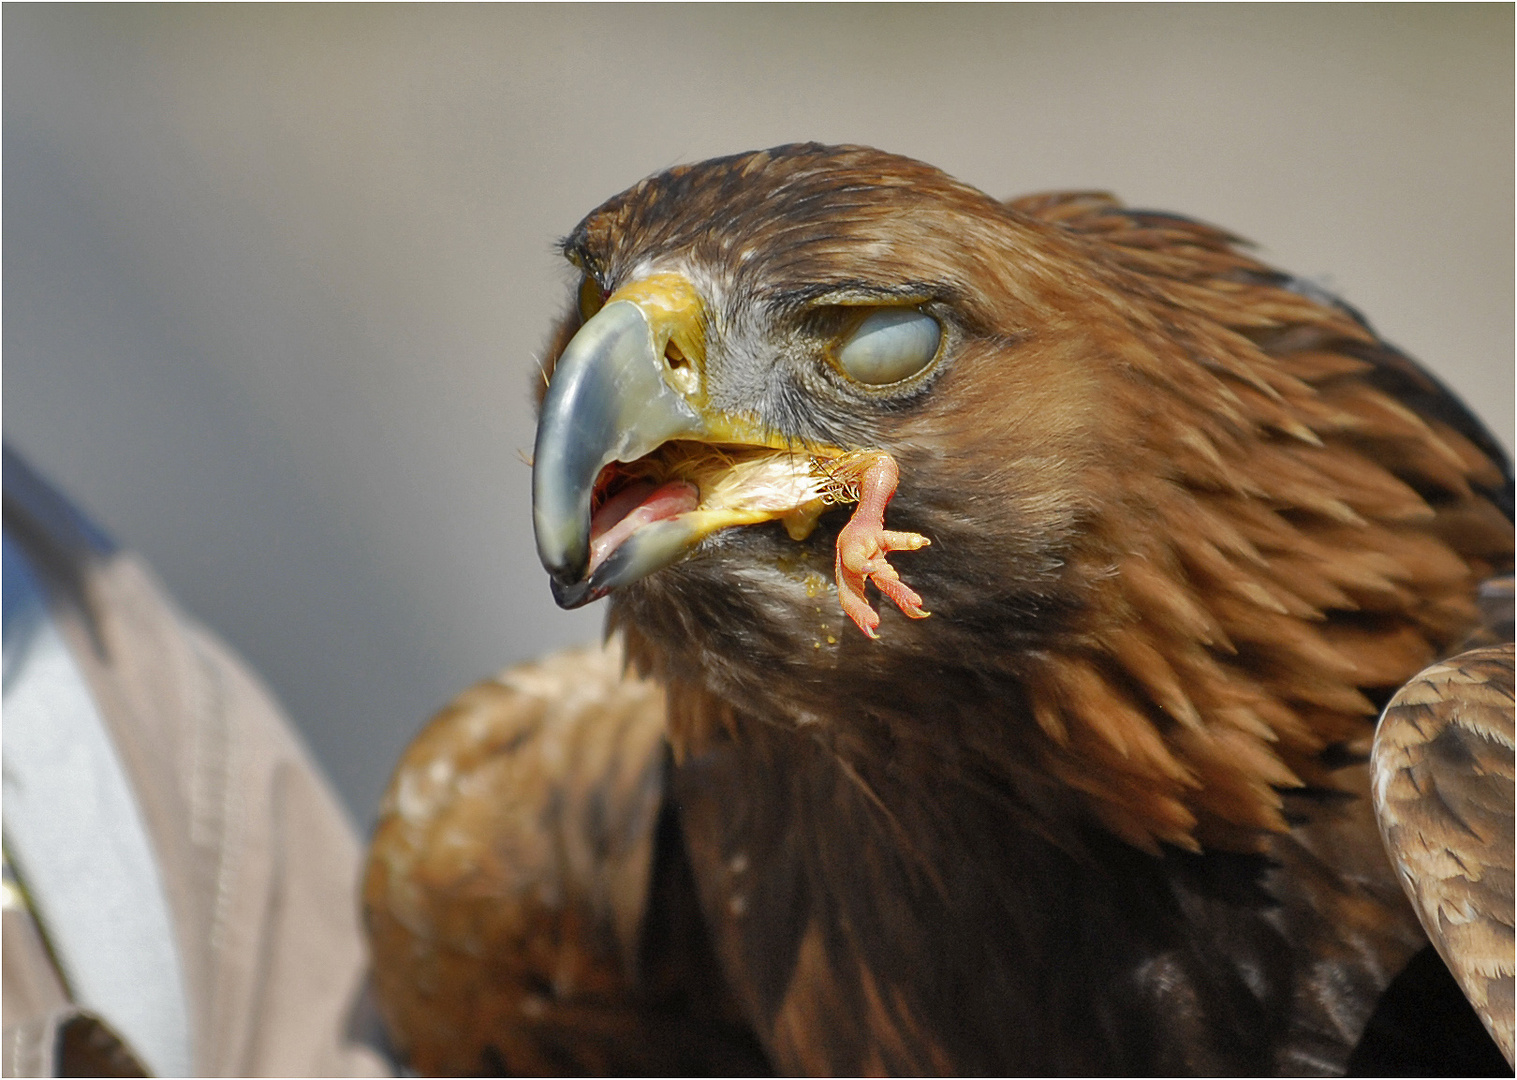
(863, 544)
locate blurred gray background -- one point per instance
(274, 276)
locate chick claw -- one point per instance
(863, 544)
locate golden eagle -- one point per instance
(1183, 524)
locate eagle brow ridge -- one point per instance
(855, 289)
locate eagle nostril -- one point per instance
(682, 373)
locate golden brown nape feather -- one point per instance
(1443, 789)
(510, 882)
(1285, 543)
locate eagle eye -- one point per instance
(889, 345)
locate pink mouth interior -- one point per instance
(634, 506)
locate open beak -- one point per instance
(608, 505)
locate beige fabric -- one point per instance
(259, 864)
(67, 1042)
(32, 996)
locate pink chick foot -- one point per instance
(863, 544)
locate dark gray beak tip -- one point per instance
(573, 594)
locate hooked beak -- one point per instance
(631, 380)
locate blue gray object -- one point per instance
(74, 833)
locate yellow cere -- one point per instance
(677, 316)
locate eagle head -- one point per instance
(1180, 523)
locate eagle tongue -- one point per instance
(633, 507)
